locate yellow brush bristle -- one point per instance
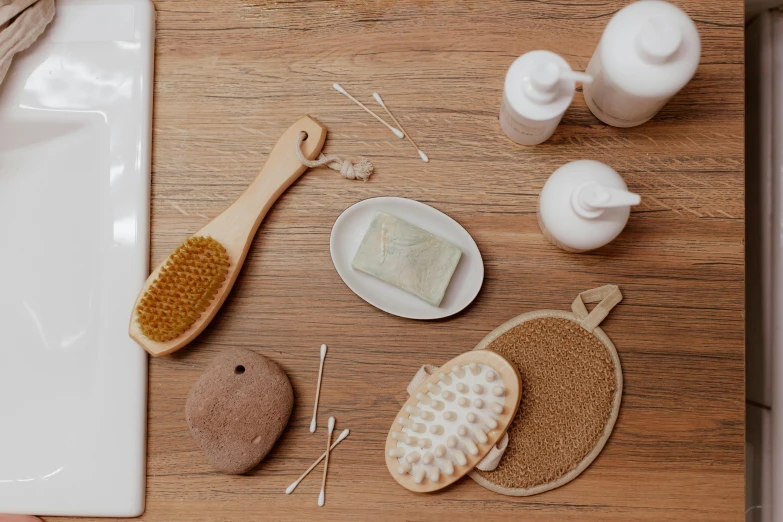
(185, 286)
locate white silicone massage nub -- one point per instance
(436, 436)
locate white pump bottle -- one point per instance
(648, 52)
(584, 205)
(539, 88)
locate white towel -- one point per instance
(21, 23)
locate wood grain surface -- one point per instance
(231, 76)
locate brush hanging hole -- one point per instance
(304, 136)
(239, 370)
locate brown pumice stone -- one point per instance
(238, 408)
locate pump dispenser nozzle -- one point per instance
(541, 82)
(591, 199)
(576, 76)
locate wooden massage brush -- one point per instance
(183, 294)
(453, 420)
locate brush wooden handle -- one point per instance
(237, 225)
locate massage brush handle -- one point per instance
(236, 226)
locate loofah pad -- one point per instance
(183, 290)
(571, 391)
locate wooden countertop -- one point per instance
(231, 76)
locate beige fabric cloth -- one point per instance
(488, 463)
(21, 23)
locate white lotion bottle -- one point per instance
(647, 53)
(584, 205)
(539, 88)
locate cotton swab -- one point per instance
(318, 389)
(321, 496)
(290, 489)
(378, 98)
(397, 132)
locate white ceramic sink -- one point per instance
(75, 113)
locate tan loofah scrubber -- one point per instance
(572, 386)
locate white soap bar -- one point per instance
(407, 257)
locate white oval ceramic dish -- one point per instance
(347, 234)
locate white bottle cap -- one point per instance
(658, 40)
(540, 83)
(650, 49)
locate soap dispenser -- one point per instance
(539, 88)
(647, 53)
(584, 205)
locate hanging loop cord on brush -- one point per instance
(362, 169)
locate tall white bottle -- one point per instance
(539, 88)
(584, 205)
(649, 51)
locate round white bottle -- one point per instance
(584, 205)
(648, 52)
(539, 88)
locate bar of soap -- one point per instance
(407, 257)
